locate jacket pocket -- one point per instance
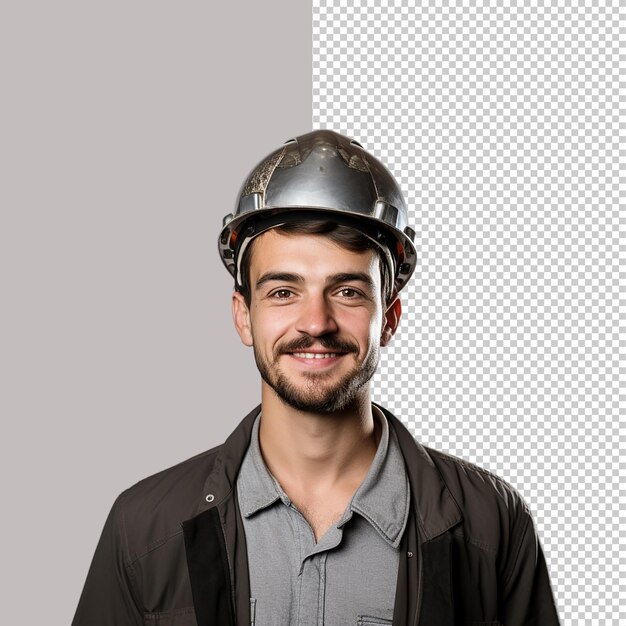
(183, 617)
(370, 620)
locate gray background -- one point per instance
(125, 131)
(504, 122)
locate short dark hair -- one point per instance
(342, 235)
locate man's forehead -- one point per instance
(277, 250)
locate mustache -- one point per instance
(334, 344)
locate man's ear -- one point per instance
(241, 317)
(392, 319)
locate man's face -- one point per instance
(316, 320)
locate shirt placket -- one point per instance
(307, 579)
(312, 571)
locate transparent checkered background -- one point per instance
(502, 123)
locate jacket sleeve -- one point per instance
(107, 598)
(527, 598)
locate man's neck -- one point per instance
(310, 451)
(318, 459)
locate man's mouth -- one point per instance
(316, 355)
(320, 348)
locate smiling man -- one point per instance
(320, 508)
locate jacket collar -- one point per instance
(435, 507)
(219, 484)
(381, 498)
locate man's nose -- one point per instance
(316, 317)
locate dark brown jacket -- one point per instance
(173, 550)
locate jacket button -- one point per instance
(409, 554)
(210, 498)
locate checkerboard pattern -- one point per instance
(501, 120)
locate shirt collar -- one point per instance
(382, 499)
(256, 486)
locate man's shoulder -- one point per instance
(150, 512)
(464, 477)
(492, 509)
(476, 491)
(178, 481)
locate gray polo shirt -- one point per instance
(349, 577)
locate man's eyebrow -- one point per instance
(288, 277)
(349, 277)
(283, 277)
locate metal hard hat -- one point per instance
(322, 174)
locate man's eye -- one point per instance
(282, 294)
(348, 292)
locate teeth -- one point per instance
(315, 355)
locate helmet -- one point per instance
(323, 175)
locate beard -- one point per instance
(319, 392)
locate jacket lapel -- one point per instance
(208, 569)
(437, 608)
(215, 541)
(428, 571)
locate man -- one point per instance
(320, 508)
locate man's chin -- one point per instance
(317, 391)
(313, 396)
(327, 405)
